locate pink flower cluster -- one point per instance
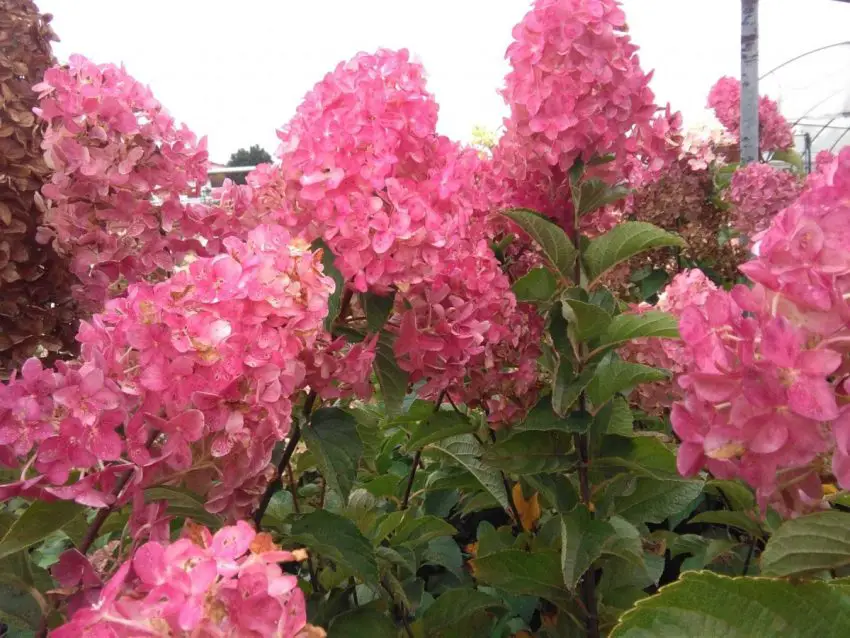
(119, 168)
(363, 168)
(227, 585)
(757, 192)
(576, 91)
(197, 371)
(767, 366)
(774, 131)
(462, 331)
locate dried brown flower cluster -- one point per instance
(683, 200)
(36, 315)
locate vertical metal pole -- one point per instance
(749, 81)
(807, 139)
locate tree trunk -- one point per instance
(749, 81)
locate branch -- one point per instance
(412, 476)
(416, 459)
(275, 484)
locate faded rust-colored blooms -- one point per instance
(36, 315)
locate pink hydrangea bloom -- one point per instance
(363, 168)
(765, 366)
(464, 324)
(198, 372)
(757, 192)
(229, 584)
(120, 165)
(576, 91)
(774, 131)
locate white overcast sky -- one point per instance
(236, 71)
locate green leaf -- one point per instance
(542, 417)
(385, 525)
(646, 455)
(362, 622)
(377, 309)
(539, 284)
(466, 451)
(594, 194)
(808, 544)
(20, 605)
(654, 500)
(626, 327)
(557, 247)
(739, 520)
(38, 522)
(734, 494)
(335, 300)
(623, 242)
(625, 542)
(445, 552)
(331, 436)
(707, 604)
(439, 425)
(401, 557)
(455, 605)
(791, 157)
(532, 452)
(566, 393)
(415, 531)
(556, 489)
(614, 418)
(523, 573)
(588, 321)
(653, 283)
(393, 380)
(613, 375)
(582, 539)
(337, 539)
(184, 503)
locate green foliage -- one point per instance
(593, 194)
(613, 376)
(587, 320)
(21, 605)
(455, 606)
(706, 604)
(626, 327)
(39, 520)
(392, 379)
(377, 309)
(331, 436)
(582, 540)
(539, 284)
(248, 157)
(438, 426)
(557, 247)
(808, 544)
(337, 539)
(466, 451)
(623, 242)
(524, 573)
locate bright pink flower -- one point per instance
(228, 584)
(774, 131)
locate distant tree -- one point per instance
(250, 157)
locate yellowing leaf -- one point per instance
(529, 510)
